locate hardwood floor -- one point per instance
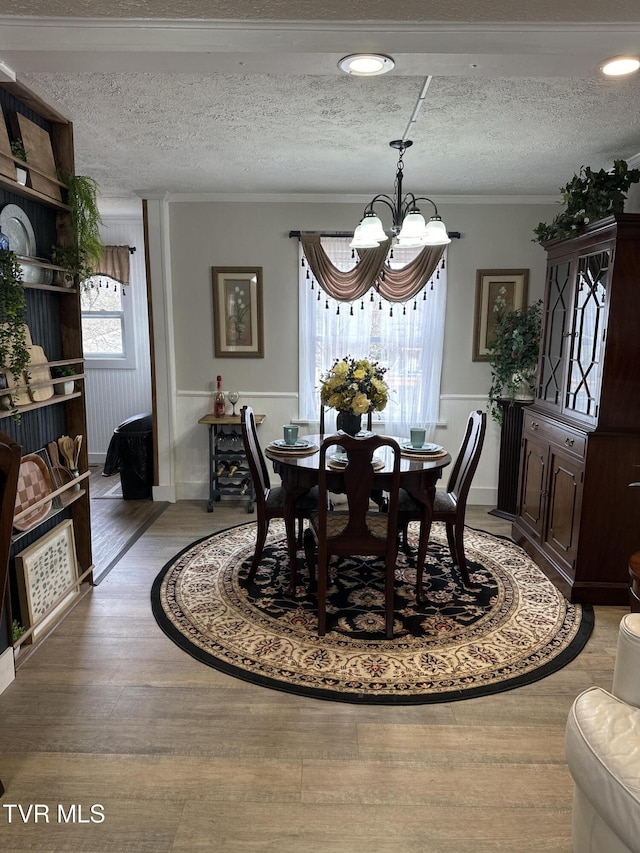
(183, 758)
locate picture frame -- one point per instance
(45, 571)
(238, 330)
(497, 291)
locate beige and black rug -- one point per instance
(511, 627)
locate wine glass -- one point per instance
(233, 397)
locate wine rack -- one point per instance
(229, 474)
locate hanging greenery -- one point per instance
(513, 355)
(589, 196)
(82, 258)
(14, 355)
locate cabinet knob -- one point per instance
(569, 334)
(534, 425)
(569, 441)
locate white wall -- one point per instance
(114, 395)
(206, 234)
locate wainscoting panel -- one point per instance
(192, 466)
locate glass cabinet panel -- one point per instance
(585, 368)
(555, 323)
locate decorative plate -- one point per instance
(17, 226)
(426, 448)
(34, 483)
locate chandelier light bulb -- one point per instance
(413, 226)
(371, 229)
(361, 241)
(436, 233)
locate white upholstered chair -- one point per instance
(603, 754)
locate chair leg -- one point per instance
(452, 542)
(310, 557)
(300, 530)
(261, 535)
(461, 559)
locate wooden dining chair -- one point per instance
(10, 456)
(356, 530)
(269, 501)
(450, 506)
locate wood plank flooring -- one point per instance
(184, 758)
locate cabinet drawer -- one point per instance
(565, 437)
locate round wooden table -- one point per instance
(300, 473)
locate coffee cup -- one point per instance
(418, 435)
(290, 433)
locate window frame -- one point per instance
(109, 361)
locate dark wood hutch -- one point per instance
(576, 515)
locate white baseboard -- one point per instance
(164, 493)
(97, 458)
(193, 492)
(7, 668)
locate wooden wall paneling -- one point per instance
(37, 145)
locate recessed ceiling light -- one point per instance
(621, 65)
(366, 64)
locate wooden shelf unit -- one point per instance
(54, 320)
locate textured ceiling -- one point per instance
(250, 101)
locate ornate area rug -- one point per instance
(510, 628)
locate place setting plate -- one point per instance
(428, 447)
(341, 460)
(301, 447)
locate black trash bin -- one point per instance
(131, 454)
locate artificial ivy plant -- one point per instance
(589, 196)
(82, 257)
(513, 355)
(14, 355)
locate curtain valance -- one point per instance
(115, 263)
(371, 270)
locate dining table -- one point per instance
(298, 469)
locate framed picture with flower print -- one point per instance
(497, 291)
(237, 312)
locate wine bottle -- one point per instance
(220, 469)
(219, 408)
(233, 467)
(244, 486)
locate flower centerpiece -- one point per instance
(353, 387)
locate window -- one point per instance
(106, 324)
(407, 338)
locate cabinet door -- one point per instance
(564, 504)
(533, 485)
(587, 335)
(556, 332)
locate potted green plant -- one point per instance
(589, 196)
(17, 149)
(81, 258)
(14, 355)
(60, 371)
(513, 356)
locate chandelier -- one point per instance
(408, 226)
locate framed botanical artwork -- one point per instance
(237, 312)
(497, 291)
(46, 572)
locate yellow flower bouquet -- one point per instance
(354, 385)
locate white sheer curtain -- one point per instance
(409, 344)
